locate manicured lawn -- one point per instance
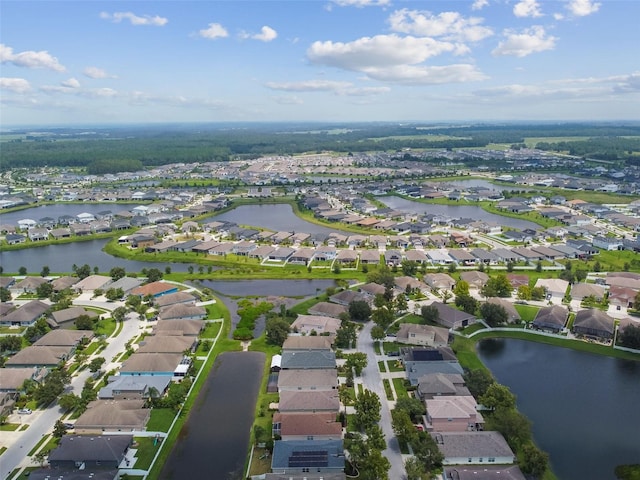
(376, 347)
(25, 474)
(390, 347)
(9, 427)
(260, 462)
(214, 311)
(395, 366)
(473, 328)
(211, 330)
(527, 312)
(160, 419)
(146, 451)
(382, 367)
(387, 389)
(92, 347)
(401, 390)
(106, 327)
(3, 449)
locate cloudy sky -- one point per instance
(81, 62)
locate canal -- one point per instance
(214, 441)
(584, 408)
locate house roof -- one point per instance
(151, 362)
(13, 378)
(92, 282)
(449, 316)
(99, 473)
(64, 282)
(442, 384)
(29, 283)
(165, 344)
(126, 284)
(581, 290)
(178, 327)
(317, 377)
(372, 288)
(474, 278)
(439, 280)
(128, 414)
(153, 288)
(555, 286)
(472, 444)
(182, 310)
(321, 423)
(304, 476)
(483, 472)
(102, 448)
(27, 313)
(305, 359)
(435, 335)
(507, 305)
(327, 309)
(307, 342)
(594, 319)
(174, 298)
(551, 316)
(317, 323)
(33, 355)
(71, 313)
(134, 383)
(285, 451)
(453, 407)
(63, 338)
(309, 401)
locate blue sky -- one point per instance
(92, 62)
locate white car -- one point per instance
(25, 411)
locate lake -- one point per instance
(480, 183)
(214, 441)
(60, 258)
(455, 211)
(584, 408)
(277, 217)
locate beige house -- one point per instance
(427, 335)
(453, 414)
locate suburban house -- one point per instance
(307, 426)
(113, 416)
(512, 313)
(69, 315)
(474, 278)
(452, 317)
(320, 324)
(309, 401)
(87, 452)
(64, 338)
(453, 414)
(327, 309)
(304, 456)
(92, 282)
(552, 318)
(182, 311)
(191, 328)
(308, 359)
(28, 284)
(308, 380)
(469, 448)
(622, 296)
(424, 361)
(439, 280)
(582, 290)
(127, 387)
(167, 344)
(25, 315)
(43, 356)
(593, 322)
(155, 289)
(426, 335)
(345, 297)
(156, 364)
(177, 298)
(484, 472)
(440, 384)
(306, 342)
(555, 287)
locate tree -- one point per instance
(538, 293)
(84, 271)
(45, 271)
(374, 466)
(467, 303)
(22, 271)
(430, 314)
(95, 364)
(412, 406)
(119, 314)
(630, 337)
(40, 457)
(113, 294)
(346, 335)
(524, 292)
(382, 317)
(401, 303)
(494, 314)
(375, 437)
(277, 330)
(5, 295)
(581, 275)
(154, 275)
(533, 461)
(446, 295)
(510, 266)
(359, 311)
(426, 450)
(478, 381)
(68, 401)
(59, 430)
(498, 286)
(382, 276)
(378, 333)
(11, 343)
(461, 288)
(498, 397)
(514, 426)
(133, 301)
(167, 270)
(44, 290)
(84, 322)
(539, 266)
(367, 406)
(357, 362)
(116, 273)
(414, 468)
(409, 267)
(403, 427)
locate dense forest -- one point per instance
(157, 145)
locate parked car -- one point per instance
(25, 411)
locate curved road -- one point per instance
(372, 380)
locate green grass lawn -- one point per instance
(387, 389)
(146, 451)
(106, 327)
(211, 330)
(395, 366)
(401, 390)
(160, 419)
(9, 427)
(527, 312)
(382, 367)
(390, 347)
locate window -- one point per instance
(492, 459)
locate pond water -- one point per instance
(60, 258)
(455, 211)
(214, 441)
(59, 209)
(583, 407)
(479, 183)
(276, 217)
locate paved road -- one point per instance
(372, 380)
(42, 421)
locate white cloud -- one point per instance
(71, 83)
(448, 25)
(266, 34)
(30, 59)
(214, 31)
(15, 85)
(376, 52)
(527, 8)
(95, 72)
(427, 75)
(136, 20)
(530, 40)
(338, 88)
(582, 8)
(362, 3)
(479, 4)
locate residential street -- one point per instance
(372, 380)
